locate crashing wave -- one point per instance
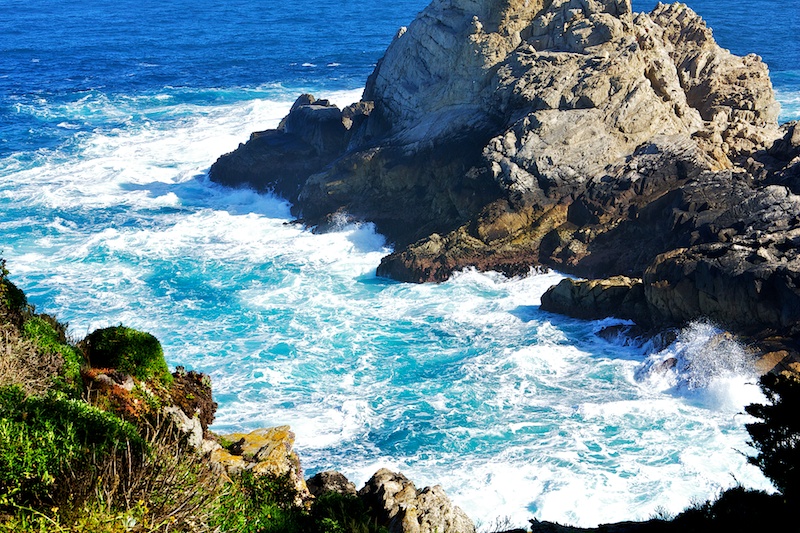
(701, 355)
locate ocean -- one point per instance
(111, 114)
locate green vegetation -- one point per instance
(40, 437)
(262, 504)
(777, 435)
(129, 351)
(342, 513)
(84, 447)
(11, 297)
(50, 336)
(259, 504)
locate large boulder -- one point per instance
(402, 508)
(572, 134)
(619, 296)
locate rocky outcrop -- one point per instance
(267, 451)
(619, 297)
(484, 110)
(749, 283)
(401, 508)
(572, 134)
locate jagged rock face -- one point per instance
(524, 103)
(733, 94)
(749, 280)
(574, 134)
(437, 77)
(401, 508)
(618, 296)
(585, 98)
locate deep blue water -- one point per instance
(110, 115)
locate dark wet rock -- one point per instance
(749, 282)
(307, 140)
(330, 481)
(619, 297)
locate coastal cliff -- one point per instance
(565, 134)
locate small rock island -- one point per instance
(629, 149)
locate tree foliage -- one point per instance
(776, 435)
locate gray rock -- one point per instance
(191, 427)
(482, 105)
(402, 508)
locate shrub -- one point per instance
(260, 504)
(13, 303)
(10, 295)
(42, 437)
(163, 487)
(736, 509)
(343, 513)
(128, 350)
(24, 364)
(777, 435)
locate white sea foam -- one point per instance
(790, 104)
(707, 365)
(466, 383)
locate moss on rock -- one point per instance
(127, 350)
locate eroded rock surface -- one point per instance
(482, 110)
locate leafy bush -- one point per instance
(128, 350)
(777, 435)
(163, 488)
(11, 296)
(24, 364)
(736, 509)
(343, 513)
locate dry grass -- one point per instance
(180, 488)
(23, 364)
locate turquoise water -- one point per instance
(110, 116)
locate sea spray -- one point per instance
(706, 364)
